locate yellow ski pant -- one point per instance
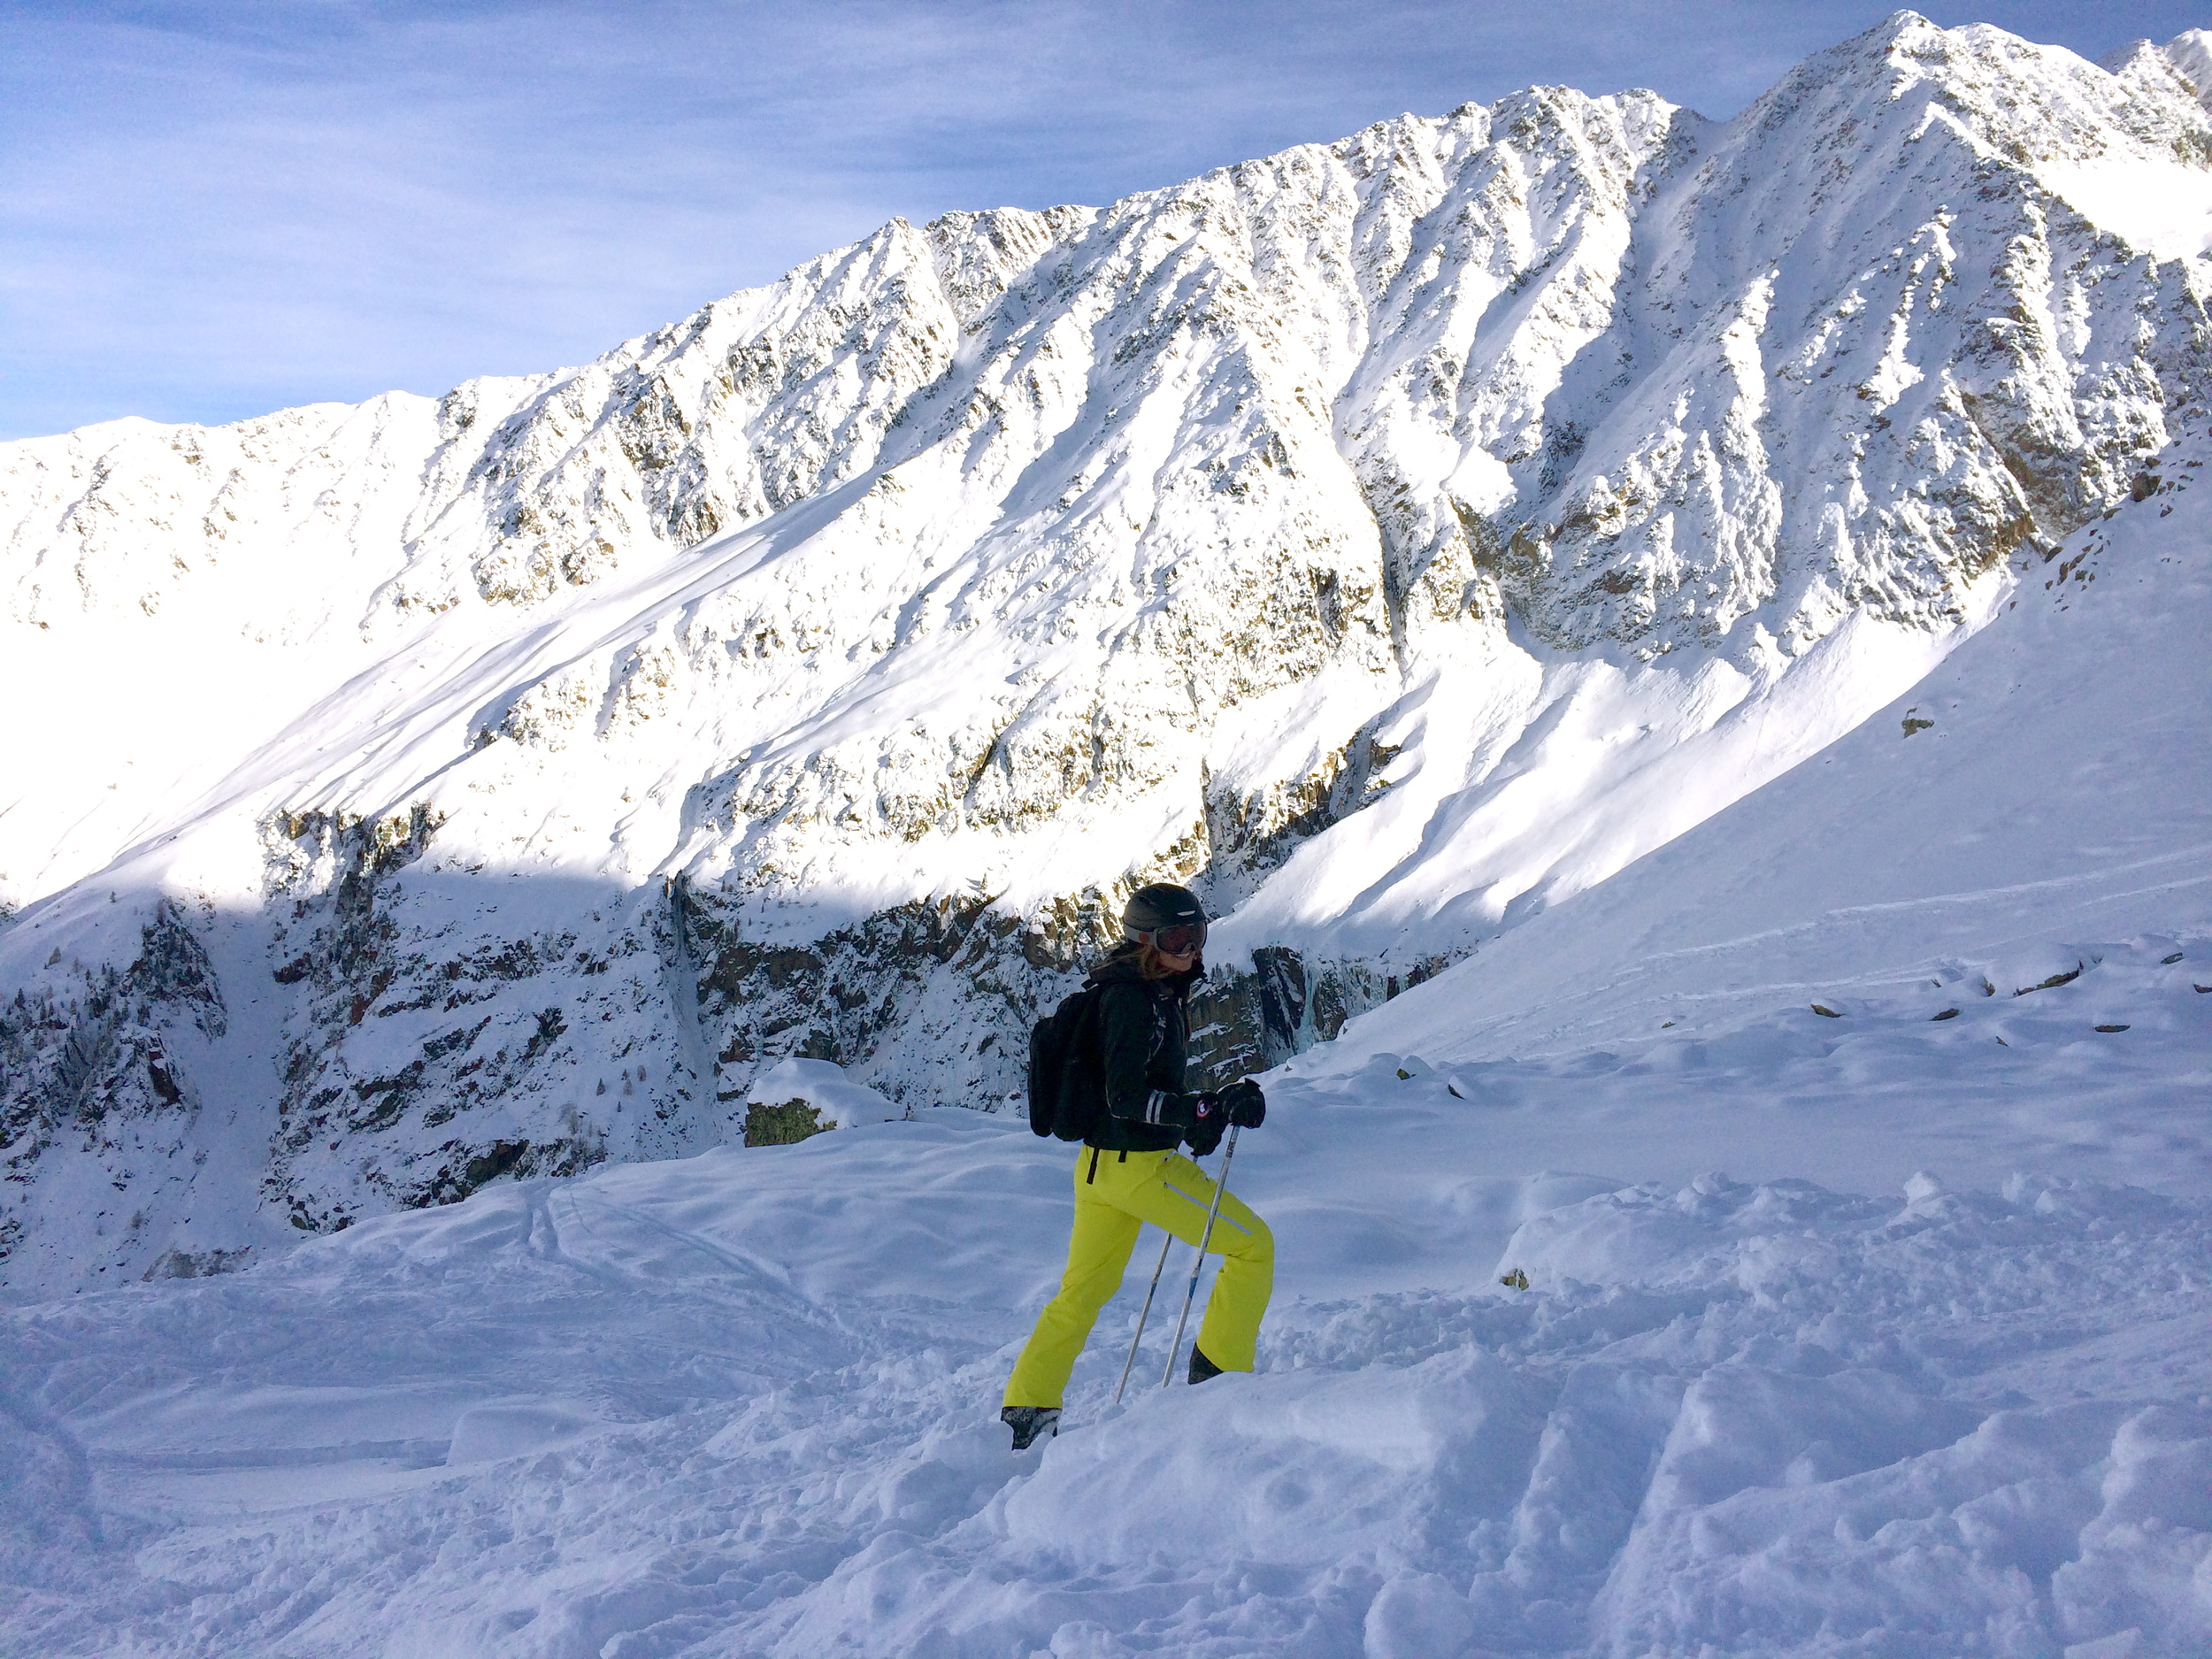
(1114, 1196)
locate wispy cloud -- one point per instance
(212, 210)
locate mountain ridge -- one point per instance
(1385, 535)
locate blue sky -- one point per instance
(208, 211)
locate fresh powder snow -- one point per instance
(743, 1403)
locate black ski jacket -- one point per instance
(1144, 1047)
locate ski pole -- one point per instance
(1143, 1314)
(1190, 1295)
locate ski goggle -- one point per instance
(1184, 939)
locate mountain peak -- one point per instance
(1390, 538)
(2191, 55)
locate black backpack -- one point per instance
(1067, 1080)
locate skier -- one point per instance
(1128, 1171)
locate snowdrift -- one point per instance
(743, 1403)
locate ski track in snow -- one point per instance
(744, 1403)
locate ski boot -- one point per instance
(1029, 1421)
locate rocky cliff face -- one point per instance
(1388, 537)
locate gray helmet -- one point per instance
(1170, 916)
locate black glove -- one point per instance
(1209, 1119)
(1245, 1104)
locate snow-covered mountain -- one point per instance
(1926, 1370)
(1393, 538)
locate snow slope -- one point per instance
(2043, 793)
(742, 1402)
(1927, 1369)
(1392, 537)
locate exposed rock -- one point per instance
(781, 1125)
